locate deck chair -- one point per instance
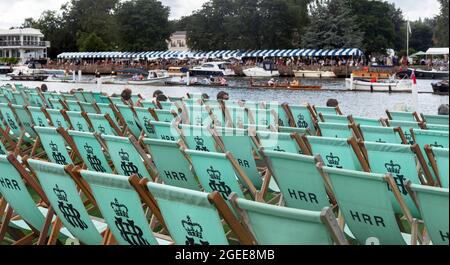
(121, 206)
(400, 161)
(166, 115)
(403, 116)
(327, 110)
(220, 172)
(47, 96)
(200, 138)
(368, 122)
(59, 118)
(436, 127)
(129, 116)
(3, 149)
(25, 120)
(57, 104)
(37, 100)
(298, 179)
(236, 117)
(90, 150)
(111, 110)
(88, 96)
(299, 131)
(89, 107)
(278, 109)
(79, 120)
(39, 116)
(264, 117)
(294, 226)
(168, 105)
(301, 117)
(435, 119)
(62, 193)
(278, 142)
(193, 217)
(128, 157)
(406, 126)
(340, 119)
(103, 124)
(144, 116)
(34, 217)
(366, 205)
(148, 104)
(55, 146)
(439, 160)
(14, 133)
(433, 205)
(166, 130)
(173, 167)
(338, 130)
(80, 96)
(337, 152)
(382, 134)
(73, 105)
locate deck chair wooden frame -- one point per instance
(291, 116)
(110, 121)
(430, 155)
(414, 115)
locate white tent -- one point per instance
(437, 51)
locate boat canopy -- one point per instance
(437, 51)
(223, 54)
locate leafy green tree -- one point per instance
(422, 35)
(441, 31)
(92, 43)
(144, 25)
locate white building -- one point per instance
(25, 44)
(178, 42)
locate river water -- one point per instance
(366, 104)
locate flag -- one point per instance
(408, 26)
(413, 77)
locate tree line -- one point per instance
(144, 25)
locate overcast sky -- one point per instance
(13, 12)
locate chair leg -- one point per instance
(341, 221)
(414, 232)
(44, 231)
(5, 223)
(57, 225)
(27, 240)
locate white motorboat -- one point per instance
(267, 69)
(314, 74)
(154, 76)
(385, 85)
(213, 69)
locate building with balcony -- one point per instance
(178, 42)
(25, 44)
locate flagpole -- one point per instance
(407, 39)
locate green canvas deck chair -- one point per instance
(264, 117)
(167, 130)
(13, 132)
(47, 96)
(39, 115)
(433, 205)
(148, 104)
(25, 120)
(439, 160)
(55, 146)
(63, 195)
(121, 207)
(4, 99)
(338, 130)
(299, 180)
(103, 124)
(368, 121)
(106, 100)
(366, 205)
(236, 117)
(111, 110)
(301, 116)
(200, 138)
(278, 109)
(172, 166)
(3, 149)
(436, 127)
(193, 217)
(117, 101)
(17, 98)
(239, 143)
(198, 115)
(299, 131)
(88, 96)
(340, 119)
(79, 120)
(338, 152)
(327, 110)
(403, 116)
(57, 104)
(166, 115)
(36, 100)
(382, 134)
(406, 126)
(128, 114)
(293, 226)
(89, 107)
(400, 161)
(168, 105)
(128, 157)
(435, 119)
(59, 118)
(144, 117)
(73, 105)
(16, 187)
(80, 96)
(220, 172)
(278, 142)
(90, 150)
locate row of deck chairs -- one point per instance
(168, 173)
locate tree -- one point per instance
(332, 26)
(92, 43)
(144, 25)
(441, 31)
(422, 35)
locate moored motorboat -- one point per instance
(440, 88)
(379, 85)
(154, 77)
(266, 69)
(425, 74)
(314, 74)
(213, 69)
